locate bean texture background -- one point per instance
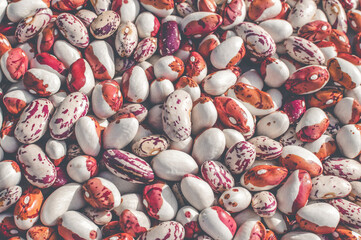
(180, 119)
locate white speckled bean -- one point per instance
(175, 229)
(105, 24)
(73, 30)
(33, 121)
(266, 148)
(258, 42)
(126, 39)
(240, 157)
(128, 166)
(37, 167)
(217, 176)
(176, 115)
(304, 51)
(74, 106)
(328, 187)
(264, 204)
(350, 213)
(302, 13)
(9, 196)
(29, 27)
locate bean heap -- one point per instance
(180, 119)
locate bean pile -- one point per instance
(180, 119)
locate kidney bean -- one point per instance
(40, 231)
(342, 167)
(175, 115)
(251, 228)
(343, 232)
(29, 27)
(188, 217)
(266, 148)
(99, 217)
(200, 24)
(169, 67)
(68, 226)
(73, 30)
(10, 174)
(213, 85)
(293, 195)
(224, 179)
(100, 56)
(347, 139)
(312, 125)
(234, 114)
(217, 223)
(349, 212)
(37, 167)
(14, 64)
(163, 229)
(132, 201)
(338, 20)
(302, 13)
(163, 208)
(323, 147)
(202, 145)
(19, 10)
(235, 199)
(304, 51)
(27, 209)
(62, 123)
(264, 204)
(134, 222)
(101, 194)
(80, 78)
(263, 177)
(197, 191)
(105, 24)
(169, 36)
(56, 150)
(329, 187)
(128, 166)
(165, 165)
(66, 198)
(273, 125)
(8, 141)
(258, 42)
(82, 168)
(240, 157)
(255, 100)
(86, 16)
(9, 197)
(229, 53)
(37, 115)
(50, 63)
